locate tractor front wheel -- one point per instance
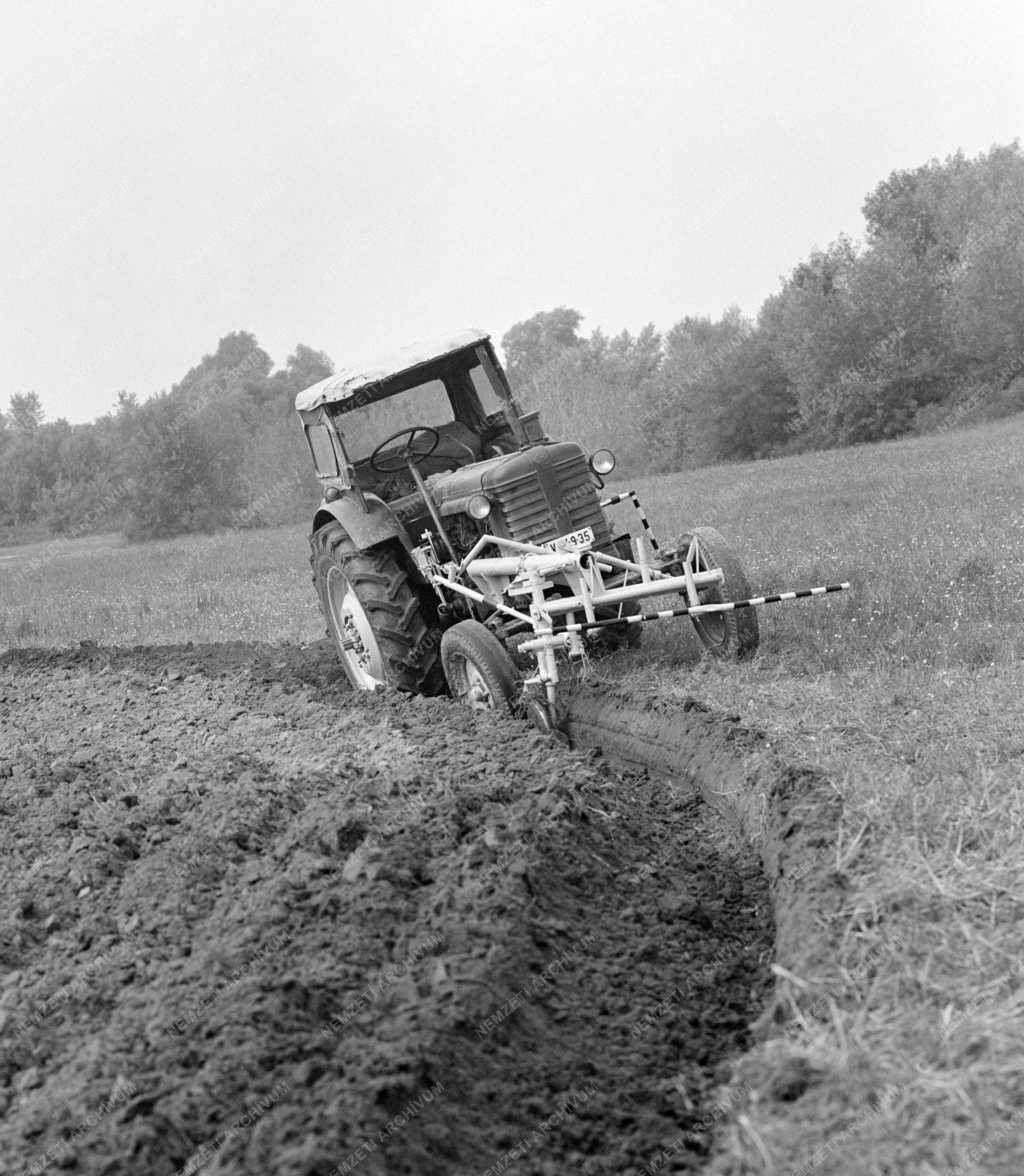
(480, 673)
(724, 634)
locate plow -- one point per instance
(526, 573)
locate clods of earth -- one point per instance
(251, 922)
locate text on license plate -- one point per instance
(574, 541)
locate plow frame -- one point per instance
(523, 572)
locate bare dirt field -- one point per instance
(251, 922)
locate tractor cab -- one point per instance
(455, 386)
(419, 434)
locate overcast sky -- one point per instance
(359, 175)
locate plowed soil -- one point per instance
(253, 923)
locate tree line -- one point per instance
(222, 447)
(920, 327)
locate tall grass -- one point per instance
(930, 531)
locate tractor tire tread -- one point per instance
(391, 605)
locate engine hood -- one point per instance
(490, 477)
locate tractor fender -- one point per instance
(366, 528)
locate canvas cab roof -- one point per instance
(345, 384)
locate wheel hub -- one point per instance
(354, 633)
(477, 694)
(351, 642)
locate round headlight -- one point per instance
(602, 461)
(479, 507)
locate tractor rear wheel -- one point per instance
(479, 671)
(373, 615)
(724, 634)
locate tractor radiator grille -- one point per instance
(552, 501)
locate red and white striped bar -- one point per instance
(726, 606)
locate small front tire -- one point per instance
(480, 673)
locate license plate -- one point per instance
(575, 541)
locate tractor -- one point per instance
(457, 546)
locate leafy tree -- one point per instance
(302, 368)
(25, 412)
(85, 492)
(753, 401)
(31, 466)
(984, 312)
(184, 465)
(677, 412)
(275, 459)
(856, 334)
(306, 366)
(238, 360)
(538, 341)
(586, 389)
(911, 206)
(951, 234)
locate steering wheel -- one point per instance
(398, 462)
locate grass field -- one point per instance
(239, 585)
(908, 691)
